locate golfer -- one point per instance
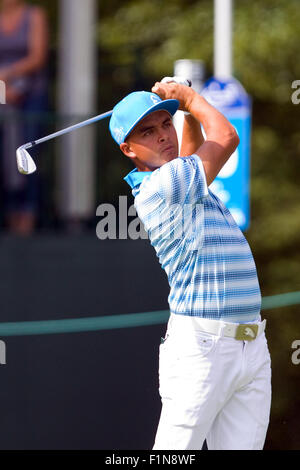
(214, 363)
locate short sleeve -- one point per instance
(182, 181)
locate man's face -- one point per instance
(153, 142)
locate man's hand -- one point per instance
(168, 91)
(221, 137)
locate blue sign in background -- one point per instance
(232, 185)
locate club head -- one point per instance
(25, 164)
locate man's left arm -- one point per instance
(192, 136)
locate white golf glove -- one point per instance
(181, 81)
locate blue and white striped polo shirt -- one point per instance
(209, 264)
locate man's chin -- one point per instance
(171, 157)
(165, 159)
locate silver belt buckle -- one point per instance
(246, 332)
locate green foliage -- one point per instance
(265, 40)
(160, 32)
(265, 46)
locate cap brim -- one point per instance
(171, 106)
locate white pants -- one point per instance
(212, 387)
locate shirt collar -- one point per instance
(135, 177)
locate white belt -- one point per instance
(239, 331)
(244, 331)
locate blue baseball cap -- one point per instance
(133, 108)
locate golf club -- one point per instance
(25, 163)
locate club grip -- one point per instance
(177, 79)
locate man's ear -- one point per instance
(125, 148)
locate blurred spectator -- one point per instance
(23, 67)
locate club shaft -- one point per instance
(71, 128)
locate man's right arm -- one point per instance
(221, 137)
